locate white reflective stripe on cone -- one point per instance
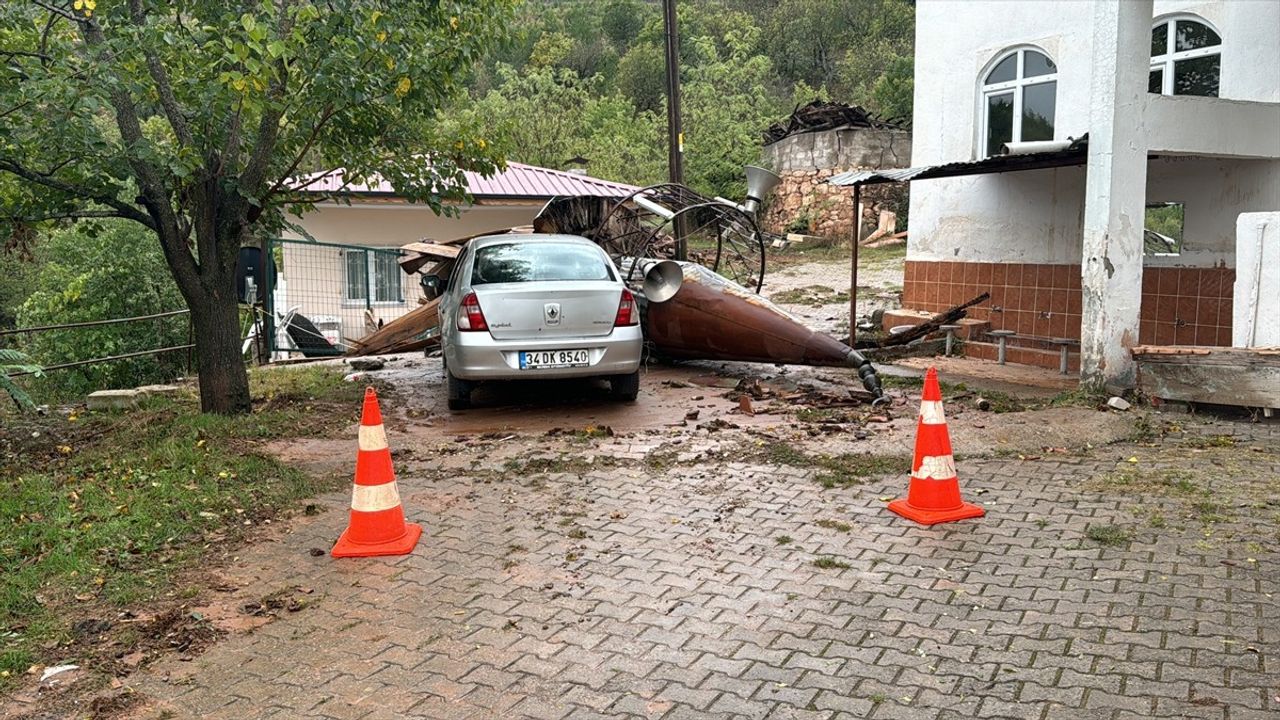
(930, 413)
(374, 498)
(936, 467)
(373, 437)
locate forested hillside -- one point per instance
(585, 78)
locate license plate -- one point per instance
(534, 359)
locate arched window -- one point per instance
(1186, 58)
(1018, 99)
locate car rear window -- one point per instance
(532, 262)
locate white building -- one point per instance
(1180, 102)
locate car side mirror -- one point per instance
(432, 286)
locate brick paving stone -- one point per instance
(1016, 615)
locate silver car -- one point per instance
(527, 307)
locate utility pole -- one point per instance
(675, 133)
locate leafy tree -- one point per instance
(622, 21)
(544, 116)
(95, 270)
(190, 119)
(642, 76)
(728, 100)
(893, 90)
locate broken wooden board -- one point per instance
(414, 330)
(434, 250)
(1245, 377)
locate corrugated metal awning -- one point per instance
(1075, 154)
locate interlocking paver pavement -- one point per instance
(675, 599)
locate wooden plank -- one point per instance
(1207, 355)
(403, 331)
(1242, 385)
(446, 252)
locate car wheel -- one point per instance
(625, 387)
(459, 392)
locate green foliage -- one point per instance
(642, 77)
(12, 362)
(622, 21)
(578, 79)
(99, 270)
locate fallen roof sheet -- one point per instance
(516, 181)
(1076, 154)
(819, 115)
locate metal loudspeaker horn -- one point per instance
(662, 281)
(760, 183)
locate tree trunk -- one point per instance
(224, 382)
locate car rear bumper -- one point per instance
(477, 356)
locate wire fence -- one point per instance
(161, 347)
(325, 295)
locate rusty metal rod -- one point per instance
(853, 269)
(91, 323)
(77, 363)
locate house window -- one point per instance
(1019, 95)
(1162, 229)
(372, 269)
(1186, 58)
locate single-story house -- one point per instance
(341, 271)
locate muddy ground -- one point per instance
(697, 404)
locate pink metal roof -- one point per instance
(516, 181)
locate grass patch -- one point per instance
(783, 539)
(811, 295)
(834, 525)
(1204, 442)
(827, 562)
(835, 471)
(103, 511)
(1107, 535)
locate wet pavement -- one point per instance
(672, 571)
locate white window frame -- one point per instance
(1017, 85)
(1164, 63)
(370, 282)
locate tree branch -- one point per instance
(164, 88)
(155, 196)
(57, 11)
(124, 209)
(68, 215)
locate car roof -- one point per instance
(523, 238)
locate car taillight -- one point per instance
(470, 317)
(627, 314)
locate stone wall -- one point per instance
(829, 208)
(804, 161)
(842, 149)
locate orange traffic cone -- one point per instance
(934, 493)
(377, 525)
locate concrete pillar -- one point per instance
(1115, 192)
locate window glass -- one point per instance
(357, 274)
(999, 121)
(1159, 40)
(1155, 83)
(1004, 71)
(1192, 35)
(1035, 64)
(1037, 111)
(1197, 76)
(1162, 229)
(530, 262)
(386, 278)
